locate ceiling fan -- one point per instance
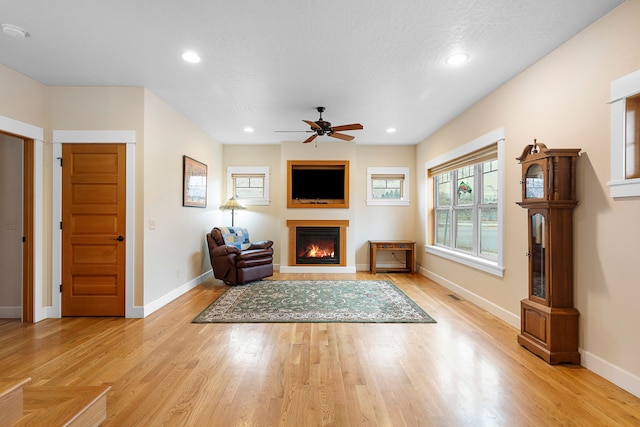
(322, 127)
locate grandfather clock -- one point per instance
(549, 322)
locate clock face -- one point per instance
(534, 182)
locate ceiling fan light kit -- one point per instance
(322, 127)
(14, 31)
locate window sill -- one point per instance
(481, 264)
(378, 202)
(254, 202)
(624, 188)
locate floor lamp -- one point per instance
(232, 204)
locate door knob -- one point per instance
(119, 238)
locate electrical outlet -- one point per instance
(11, 224)
(152, 224)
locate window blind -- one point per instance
(487, 153)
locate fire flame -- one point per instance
(316, 252)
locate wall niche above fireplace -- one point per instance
(317, 184)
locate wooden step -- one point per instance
(64, 406)
(11, 400)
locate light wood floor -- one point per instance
(465, 370)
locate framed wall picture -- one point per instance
(194, 189)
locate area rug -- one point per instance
(357, 301)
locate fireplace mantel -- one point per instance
(342, 224)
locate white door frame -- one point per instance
(60, 137)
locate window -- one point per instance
(631, 137)
(250, 185)
(388, 186)
(466, 208)
(625, 136)
(465, 217)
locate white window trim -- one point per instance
(492, 267)
(249, 170)
(621, 89)
(405, 201)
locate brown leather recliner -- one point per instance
(239, 261)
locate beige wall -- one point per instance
(174, 252)
(25, 100)
(22, 98)
(382, 222)
(324, 150)
(365, 222)
(162, 137)
(171, 256)
(262, 222)
(99, 108)
(562, 101)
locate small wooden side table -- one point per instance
(395, 246)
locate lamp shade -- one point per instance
(231, 204)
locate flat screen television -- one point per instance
(318, 184)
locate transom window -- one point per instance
(464, 218)
(248, 184)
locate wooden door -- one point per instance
(93, 229)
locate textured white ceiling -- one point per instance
(268, 63)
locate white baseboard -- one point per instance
(595, 364)
(492, 308)
(612, 373)
(167, 298)
(10, 312)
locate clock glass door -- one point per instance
(534, 182)
(538, 288)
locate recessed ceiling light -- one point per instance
(457, 59)
(14, 31)
(192, 57)
(248, 129)
(391, 130)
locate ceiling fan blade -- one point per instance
(353, 126)
(311, 138)
(313, 125)
(342, 136)
(293, 131)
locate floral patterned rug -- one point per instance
(356, 301)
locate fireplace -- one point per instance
(317, 245)
(317, 242)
